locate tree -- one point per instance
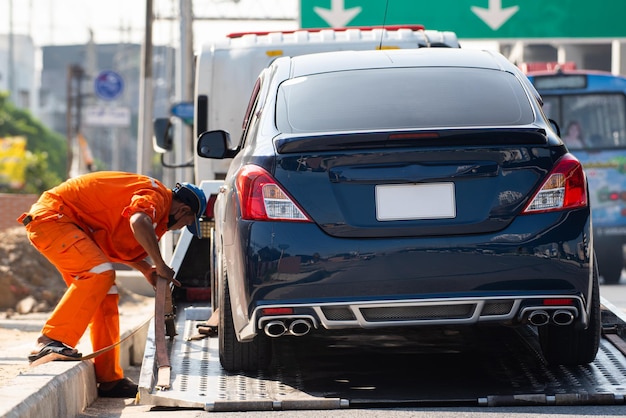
(46, 150)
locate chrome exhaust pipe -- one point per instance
(539, 318)
(275, 329)
(562, 317)
(299, 327)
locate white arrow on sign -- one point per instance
(494, 15)
(337, 16)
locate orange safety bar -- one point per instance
(363, 28)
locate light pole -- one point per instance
(11, 69)
(184, 92)
(144, 132)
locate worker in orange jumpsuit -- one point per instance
(82, 227)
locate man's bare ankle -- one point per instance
(43, 340)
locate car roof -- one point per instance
(420, 57)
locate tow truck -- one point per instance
(484, 366)
(438, 365)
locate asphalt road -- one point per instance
(615, 294)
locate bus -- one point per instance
(590, 109)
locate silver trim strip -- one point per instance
(257, 319)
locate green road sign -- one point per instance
(477, 19)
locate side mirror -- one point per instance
(214, 144)
(555, 127)
(162, 141)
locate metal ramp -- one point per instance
(488, 366)
(198, 381)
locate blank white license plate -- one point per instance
(415, 201)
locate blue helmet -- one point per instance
(194, 197)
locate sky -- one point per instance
(68, 22)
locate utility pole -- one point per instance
(11, 69)
(75, 75)
(144, 134)
(184, 90)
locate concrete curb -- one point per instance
(55, 389)
(65, 389)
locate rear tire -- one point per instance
(234, 355)
(570, 344)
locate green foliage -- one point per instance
(39, 177)
(47, 160)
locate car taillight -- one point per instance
(262, 199)
(565, 188)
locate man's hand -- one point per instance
(141, 225)
(165, 272)
(150, 272)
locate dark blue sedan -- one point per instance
(399, 189)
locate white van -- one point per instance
(227, 70)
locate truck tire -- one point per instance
(570, 344)
(234, 355)
(610, 259)
(611, 269)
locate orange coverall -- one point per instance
(82, 226)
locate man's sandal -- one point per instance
(58, 349)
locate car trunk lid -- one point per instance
(414, 183)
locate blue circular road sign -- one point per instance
(108, 85)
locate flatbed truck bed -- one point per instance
(434, 366)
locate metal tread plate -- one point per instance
(483, 365)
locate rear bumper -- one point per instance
(398, 313)
(537, 256)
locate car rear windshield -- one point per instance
(401, 98)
